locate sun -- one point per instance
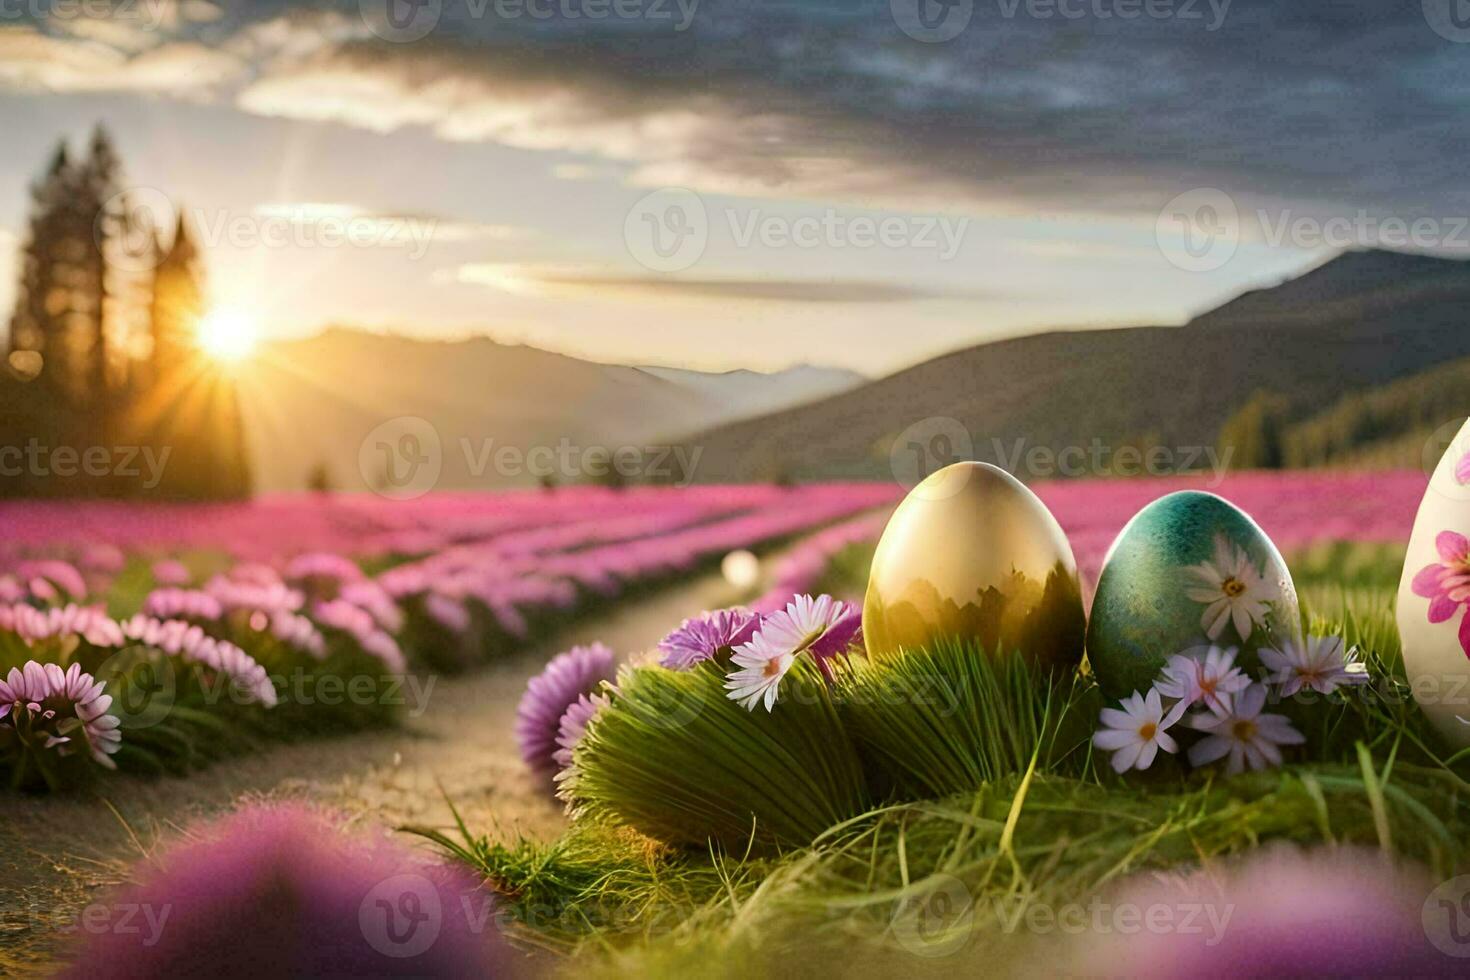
(228, 333)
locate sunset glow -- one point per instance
(229, 334)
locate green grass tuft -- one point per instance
(950, 718)
(675, 758)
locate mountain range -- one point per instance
(1360, 320)
(309, 405)
(1357, 322)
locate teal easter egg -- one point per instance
(1189, 570)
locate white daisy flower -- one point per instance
(1318, 662)
(1203, 675)
(1248, 737)
(762, 667)
(1233, 590)
(821, 627)
(1136, 731)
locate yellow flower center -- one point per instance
(1233, 587)
(1243, 730)
(773, 667)
(1147, 730)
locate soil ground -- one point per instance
(58, 851)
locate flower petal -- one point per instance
(1453, 547)
(1441, 608)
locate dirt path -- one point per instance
(57, 851)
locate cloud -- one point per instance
(563, 280)
(33, 61)
(1021, 113)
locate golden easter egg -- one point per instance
(972, 555)
(1433, 607)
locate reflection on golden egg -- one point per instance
(972, 554)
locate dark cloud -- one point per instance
(1354, 102)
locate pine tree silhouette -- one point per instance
(103, 342)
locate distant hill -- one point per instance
(1360, 320)
(311, 403)
(1386, 426)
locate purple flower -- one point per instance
(43, 708)
(323, 565)
(171, 572)
(192, 645)
(275, 891)
(702, 637)
(172, 603)
(579, 671)
(574, 725)
(358, 624)
(63, 575)
(40, 625)
(1446, 584)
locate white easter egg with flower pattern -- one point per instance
(1434, 596)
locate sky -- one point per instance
(752, 183)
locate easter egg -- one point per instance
(1433, 596)
(1189, 570)
(972, 555)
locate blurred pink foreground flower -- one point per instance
(1281, 911)
(276, 891)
